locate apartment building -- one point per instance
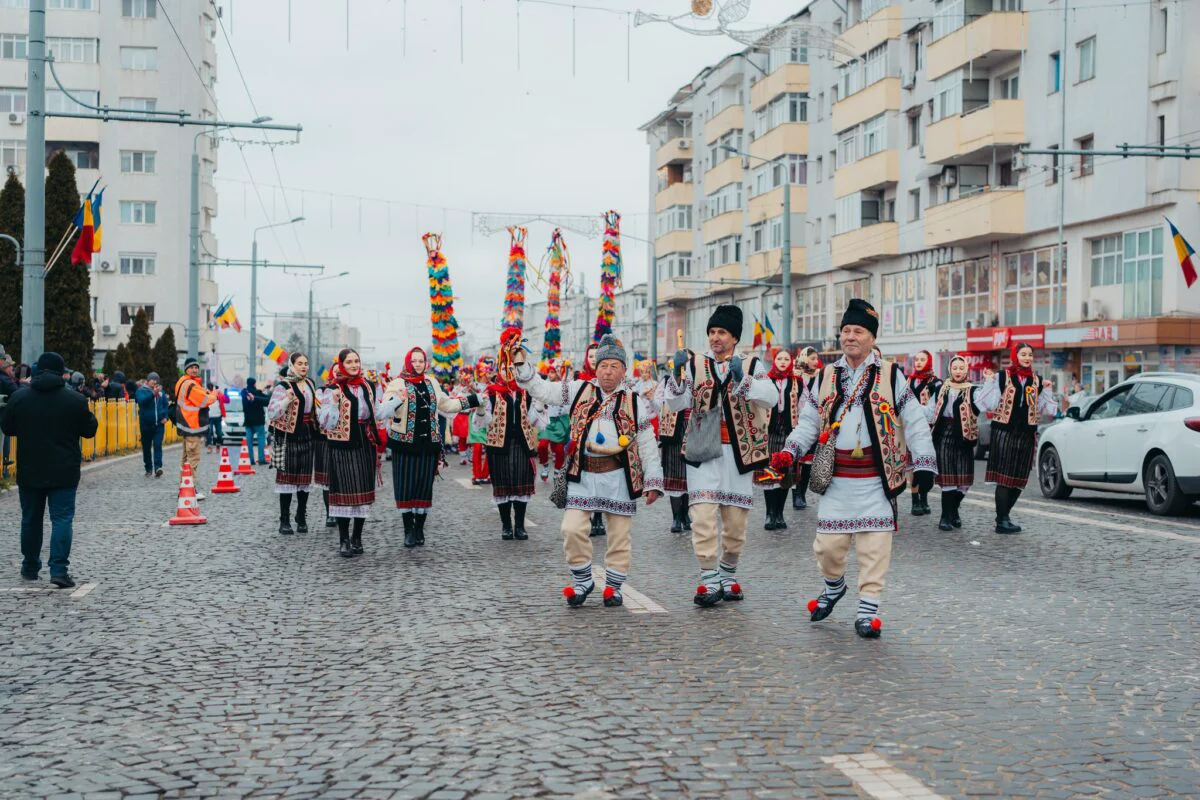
(901, 145)
(123, 54)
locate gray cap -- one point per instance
(153, 376)
(611, 347)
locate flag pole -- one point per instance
(58, 250)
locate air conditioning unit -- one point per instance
(1019, 162)
(16, 118)
(106, 266)
(108, 330)
(685, 144)
(1102, 312)
(949, 176)
(908, 79)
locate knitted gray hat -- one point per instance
(611, 347)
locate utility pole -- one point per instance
(253, 368)
(33, 293)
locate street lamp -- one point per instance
(254, 291)
(786, 260)
(308, 343)
(334, 308)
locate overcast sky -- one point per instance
(399, 116)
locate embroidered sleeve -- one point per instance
(1047, 404)
(930, 409)
(905, 393)
(678, 396)
(448, 405)
(804, 435)
(327, 414)
(919, 436)
(281, 398)
(651, 463)
(987, 397)
(385, 409)
(758, 389)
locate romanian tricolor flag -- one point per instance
(96, 228)
(1186, 255)
(226, 316)
(768, 331)
(758, 334)
(325, 374)
(275, 352)
(85, 245)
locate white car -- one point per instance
(1140, 437)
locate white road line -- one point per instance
(82, 591)
(465, 482)
(879, 779)
(530, 523)
(635, 601)
(1026, 502)
(1098, 523)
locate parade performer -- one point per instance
(348, 414)
(866, 412)
(290, 415)
(807, 368)
(553, 438)
(612, 461)
(485, 370)
(588, 373)
(955, 434)
(790, 394)
(925, 387)
(1015, 397)
(321, 454)
(671, 427)
(511, 442)
(725, 442)
(414, 438)
(460, 428)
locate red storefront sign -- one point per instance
(980, 340)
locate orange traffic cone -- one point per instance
(268, 452)
(244, 467)
(188, 511)
(225, 484)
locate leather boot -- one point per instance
(685, 516)
(301, 512)
(780, 502)
(676, 515)
(410, 533)
(799, 503)
(955, 519)
(419, 525)
(917, 511)
(945, 522)
(769, 501)
(1005, 498)
(356, 545)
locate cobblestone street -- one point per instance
(226, 660)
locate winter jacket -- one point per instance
(7, 384)
(254, 406)
(48, 420)
(152, 408)
(192, 399)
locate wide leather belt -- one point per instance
(601, 464)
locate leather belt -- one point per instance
(601, 464)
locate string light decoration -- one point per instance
(560, 281)
(513, 315)
(447, 355)
(610, 274)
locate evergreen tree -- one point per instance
(68, 287)
(120, 361)
(140, 359)
(12, 222)
(110, 364)
(165, 357)
(294, 344)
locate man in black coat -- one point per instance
(254, 415)
(48, 420)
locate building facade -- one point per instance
(901, 147)
(124, 55)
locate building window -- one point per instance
(1162, 130)
(1055, 72)
(137, 264)
(727, 250)
(142, 161)
(1087, 59)
(138, 212)
(14, 3)
(948, 16)
(675, 218)
(1162, 31)
(1010, 86)
(858, 211)
(138, 104)
(12, 100)
(73, 50)
(1086, 162)
(904, 302)
(947, 96)
(84, 155)
(914, 130)
(727, 198)
(58, 101)
(779, 56)
(130, 310)
(847, 148)
(1143, 271)
(139, 58)
(874, 136)
(139, 9)
(821, 106)
(964, 295)
(14, 46)
(1053, 166)
(1106, 260)
(816, 230)
(675, 265)
(1028, 278)
(914, 204)
(787, 107)
(12, 154)
(846, 291)
(875, 65)
(758, 237)
(811, 314)
(72, 5)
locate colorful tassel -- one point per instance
(446, 353)
(560, 280)
(513, 315)
(610, 275)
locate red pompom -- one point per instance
(609, 592)
(702, 589)
(824, 437)
(569, 592)
(736, 588)
(876, 624)
(812, 606)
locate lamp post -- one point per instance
(253, 368)
(785, 262)
(334, 308)
(308, 343)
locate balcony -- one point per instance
(790, 137)
(673, 242)
(675, 151)
(765, 265)
(788, 78)
(731, 119)
(722, 225)
(862, 245)
(983, 216)
(670, 291)
(770, 204)
(208, 198)
(980, 42)
(964, 136)
(884, 24)
(728, 171)
(717, 274)
(677, 194)
(870, 102)
(871, 172)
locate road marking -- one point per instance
(530, 523)
(1099, 523)
(879, 779)
(1118, 514)
(82, 591)
(465, 482)
(635, 601)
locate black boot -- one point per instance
(781, 495)
(800, 493)
(769, 501)
(301, 512)
(410, 533)
(917, 511)
(1005, 499)
(330, 522)
(676, 515)
(419, 525)
(598, 524)
(798, 501)
(506, 529)
(356, 545)
(686, 517)
(343, 526)
(519, 528)
(925, 502)
(945, 522)
(285, 513)
(955, 519)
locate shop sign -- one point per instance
(1102, 333)
(989, 339)
(934, 257)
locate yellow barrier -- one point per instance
(119, 432)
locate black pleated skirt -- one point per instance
(1010, 456)
(955, 458)
(674, 470)
(293, 456)
(352, 474)
(412, 479)
(512, 473)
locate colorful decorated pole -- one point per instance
(610, 274)
(447, 356)
(514, 292)
(560, 280)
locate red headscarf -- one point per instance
(587, 372)
(342, 379)
(927, 372)
(1018, 370)
(777, 374)
(410, 374)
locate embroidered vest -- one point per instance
(497, 429)
(625, 416)
(404, 425)
(932, 383)
(346, 431)
(965, 412)
(672, 424)
(884, 427)
(746, 422)
(1010, 401)
(291, 417)
(792, 395)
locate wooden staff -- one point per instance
(58, 250)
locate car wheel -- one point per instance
(1163, 495)
(1050, 476)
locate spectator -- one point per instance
(152, 413)
(77, 384)
(8, 385)
(254, 410)
(193, 403)
(131, 388)
(49, 420)
(115, 388)
(215, 420)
